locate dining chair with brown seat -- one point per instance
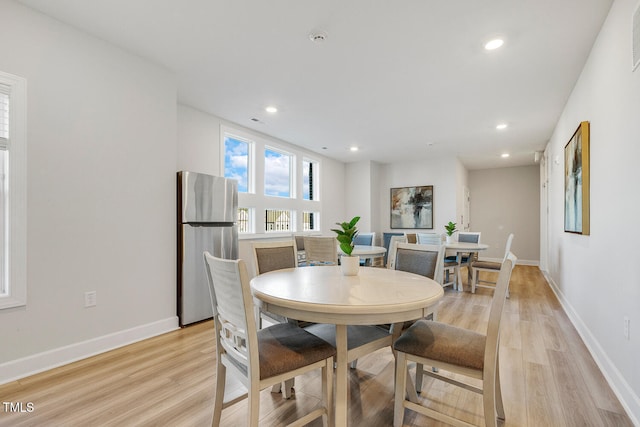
(465, 259)
(450, 267)
(392, 250)
(271, 256)
(302, 256)
(321, 250)
(259, 358)
(425, 260)
(489, 267)
(459, 351)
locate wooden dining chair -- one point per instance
(259, 358)
(449, 268)
(386, 242)
(489, 267)
(364, 239)
(465, 258)
(425, 260)
(302, 256)
(393, 245)
(458, 351)
(270, 256)
(321, 250)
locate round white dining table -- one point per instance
(366, 252)
(322, 294)
(461, 248)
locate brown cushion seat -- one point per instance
(285, 347)
(487, 264)
(442, 342)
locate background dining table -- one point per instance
(322, 294)
(462, 248)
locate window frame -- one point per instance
(250, 157)
(292, 170)
(15, 242)
(314, 179)
(257, 202)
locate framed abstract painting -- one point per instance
(412, 207)
(576, 182)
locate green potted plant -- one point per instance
(345, 236)
(450, 229)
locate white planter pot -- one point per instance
(449, 239)
(350, 265)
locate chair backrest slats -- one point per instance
(429, 238)
(321, 250)
(232, 307)
(507, 248)
(365, 239)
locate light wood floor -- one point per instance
(548, 377)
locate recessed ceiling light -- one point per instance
(271, 109)
(354, 148)
(501, 126)
(504, 155)
(493, 44)
(318, 37)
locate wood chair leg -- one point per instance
(499, 402)
(253, 403)
(221, 376)
(419, 376)
(400, 392)
(327, 393)
(288, 388)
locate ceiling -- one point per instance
(402, 80)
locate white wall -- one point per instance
(504, 201)
(596, 276)
(101, 193)
(442, 173)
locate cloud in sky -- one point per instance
(236, 157)
(277, 173)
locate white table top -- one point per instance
(466, 246)
(366, 250)
(323, 294)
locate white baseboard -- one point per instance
(20, 368)
(623, 391)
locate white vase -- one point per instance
(350, 265)
(450, 239)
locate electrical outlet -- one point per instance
(627, 325)
(90, 299)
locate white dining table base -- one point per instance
(323, 295)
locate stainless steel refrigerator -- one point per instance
(207, 214)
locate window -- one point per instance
(277, 220)
(278, 183)
(236, 161)
(310, 221)
(244, 220)
(277, 173)
(309, 181)
(13, 291)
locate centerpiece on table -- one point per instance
(345, 236)
(450, 228)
